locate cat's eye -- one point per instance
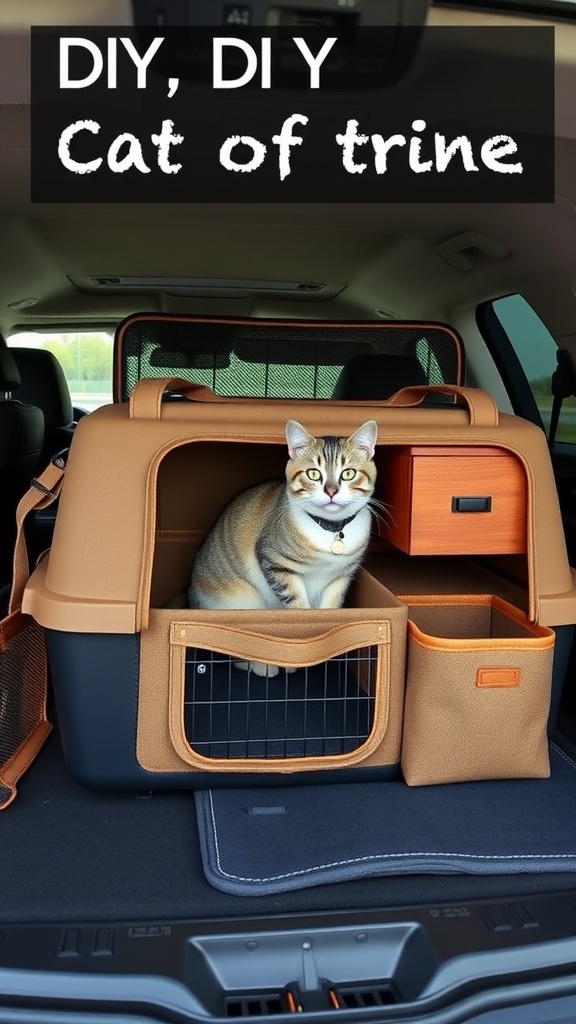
(313, 474)
(348, 474)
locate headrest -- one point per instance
(44, 384)
(9, 376)
(377, 377)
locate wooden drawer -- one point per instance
(454, 501)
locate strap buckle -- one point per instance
(59, 460)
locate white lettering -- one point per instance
(349, 141)
(98, 63)
(142, 62)
(218, 82)
(415, 148)
(494, 149)
(258, 153)
(285, 140)
(314, 62)
(133, 158)
(163, 141)
(64, 148)
(445, 153)
(382, 148)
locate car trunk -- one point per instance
(107, 905)
(107, 889)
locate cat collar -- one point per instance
(334, 526)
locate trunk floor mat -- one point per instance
(265, 841)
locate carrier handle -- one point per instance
(146, 398)
(482, 408)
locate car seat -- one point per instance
(43, 384)
(378, 376)
(21, 441)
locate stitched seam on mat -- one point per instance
(377, 856)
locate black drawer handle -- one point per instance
(471, 504)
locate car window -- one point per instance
(536, 350)
(254, 379)
(85, 357)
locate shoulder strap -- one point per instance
(43, 491)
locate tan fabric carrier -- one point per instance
(147, 692)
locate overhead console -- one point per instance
(357, 60)
(323, 14)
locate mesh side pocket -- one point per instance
(23, 678)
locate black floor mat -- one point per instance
(256, 841)
(70, 854)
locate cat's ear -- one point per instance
(297, 437)
(365, 438)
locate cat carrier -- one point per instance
(150, 694)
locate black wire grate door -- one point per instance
(316, 711)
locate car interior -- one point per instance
(116, 903)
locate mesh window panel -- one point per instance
(262, 360)
(22, 694)
(233, 714)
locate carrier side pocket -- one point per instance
(478, 691)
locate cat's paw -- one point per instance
(259, 668)
(291, 670)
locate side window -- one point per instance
(85, 357)
(536, 351)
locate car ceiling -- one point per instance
(373, 256)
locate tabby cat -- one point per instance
(292, 544)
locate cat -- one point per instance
(295, 543)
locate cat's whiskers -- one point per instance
(380, 511)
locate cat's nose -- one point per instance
(331, 490)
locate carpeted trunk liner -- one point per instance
(68, 853)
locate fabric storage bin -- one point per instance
(477, 693)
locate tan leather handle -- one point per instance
(146, 398)
(482, 408)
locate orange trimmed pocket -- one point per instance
(478, 689)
